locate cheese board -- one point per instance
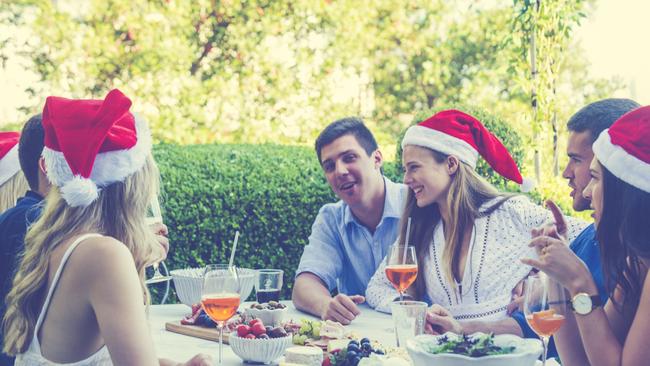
(211, 334)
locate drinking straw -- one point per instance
(234, 247)
(406, 240)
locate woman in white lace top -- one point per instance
(468, 236)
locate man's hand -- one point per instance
(160, 231)
(439, 320)
(342, 308)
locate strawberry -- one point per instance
(255, 321)
(258, 328)
(250, 336)
(243, 330)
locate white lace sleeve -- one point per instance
(380, 292)
(534, 216)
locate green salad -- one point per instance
(475, 346)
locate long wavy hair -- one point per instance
(624, 237)
(119, 212)
(467, 193)
(14, 188)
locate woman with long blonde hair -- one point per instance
(467, 235)
(13, 184)
(79, 295)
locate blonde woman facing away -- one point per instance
(468, 236)
(12, 181)
(79, 295)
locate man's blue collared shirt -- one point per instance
(343, 252)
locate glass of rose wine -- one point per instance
(401, 267)
(545, 304)
(220, 295)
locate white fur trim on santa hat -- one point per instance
(623, 165)
(109, 167)
(9, 165)
(441, 142)
(79, 191)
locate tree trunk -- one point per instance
(533, 94)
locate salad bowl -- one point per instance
(451, 349)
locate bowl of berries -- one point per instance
(255, 342)
(271, 313)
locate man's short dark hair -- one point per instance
(30, 149)
(347, 126)
(597, 116)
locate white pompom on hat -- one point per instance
(453, 132)
(624, 148)
(90, 144)
(9, 163)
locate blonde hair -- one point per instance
(14, 188)
(468, 191)
(118, 212)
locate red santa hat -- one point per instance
(9, 163)
(624, 148)
(90, 144)
(453, 132)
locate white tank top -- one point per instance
(33, 356)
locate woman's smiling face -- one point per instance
(427, 178)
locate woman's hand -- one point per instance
(199, 360)
(439, 320)
(559, 262)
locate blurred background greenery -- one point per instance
(209, 71)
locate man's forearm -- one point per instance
(310, 294)
(505, 326)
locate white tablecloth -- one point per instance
(371, 324)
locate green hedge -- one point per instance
(270, 193)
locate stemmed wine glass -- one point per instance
(154, 216)
(401, 267)
(220, 295)
(544, 306)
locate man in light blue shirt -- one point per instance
(349, 238)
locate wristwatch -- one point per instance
(583, 304)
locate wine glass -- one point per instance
(545, 305)
(154, 216)
(220, 295)
(401, 267)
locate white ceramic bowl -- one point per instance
(526, 352)
(259, 350)
(268, 317)
(188, 282)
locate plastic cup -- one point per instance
(268, 285)
(409, 318)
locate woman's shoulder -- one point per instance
(100, 253)
(507, 203)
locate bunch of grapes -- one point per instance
(353, 354)
(308, 329)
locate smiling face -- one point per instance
(594, 190)
(354, 176)
(577, 170)
(425, 176)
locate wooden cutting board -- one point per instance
(211, 334)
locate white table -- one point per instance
(370, 323)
